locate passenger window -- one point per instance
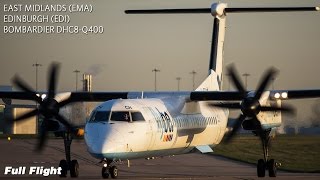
(137, 116)
(99, 116)
(120, 116)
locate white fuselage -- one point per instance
(166, 126)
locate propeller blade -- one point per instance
(53, 80)
(42, 137)
(227, 105)
(235, 79)
(266, 80)
(22, 85)
(18, 82)
(236, 127)
(62, 120)
(168, 11)
(27, 115)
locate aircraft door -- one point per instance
(150, 127)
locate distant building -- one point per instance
(6, 88)
(9, 112)
(87, 82)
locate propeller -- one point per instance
(48, 107)
(250, 105)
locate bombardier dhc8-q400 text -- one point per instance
(131, 125)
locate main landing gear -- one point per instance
(266, 164)
(67, 164)
(109, 170)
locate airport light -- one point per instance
(178, 79)
(43, 96)
(284, 95)
(193, 73)
(77, 72)
(155, 70)
(246, 75)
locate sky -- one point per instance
(122, 58)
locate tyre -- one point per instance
(113, 172)
(272, 168)
(64, 168)
(105, 173)
(74, 169)
(261, 168)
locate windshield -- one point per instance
(137, 116)
(98, 116)
(126, 116)
(120, 116)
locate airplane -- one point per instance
(130, 125)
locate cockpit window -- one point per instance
(137, 116)
(120, 116)
(126, 116)
(100, 116)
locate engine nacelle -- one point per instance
(251, 124)
(217, 9)
(53, 125)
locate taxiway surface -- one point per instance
(20, 152)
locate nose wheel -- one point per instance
(109, 170)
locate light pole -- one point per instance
(77, 72)
(155, 70)
(193, 78)
(178, 79)
(37, 65)
(246, 75)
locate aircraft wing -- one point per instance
(93, 97)
(237, 96)
(67, 97)
(70, 97)
(17, 95)
(295, 94)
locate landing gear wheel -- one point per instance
(74, 168)
(261, 168)
(105, 173)
(272, 168)
(113, 172)
(64, 168)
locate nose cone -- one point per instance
(103, 140)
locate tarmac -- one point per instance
(20, 153)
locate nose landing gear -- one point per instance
(109, 170)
